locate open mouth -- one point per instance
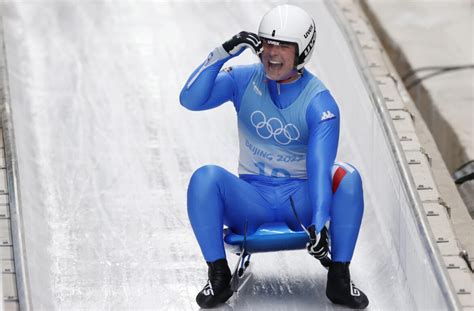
(273, 64)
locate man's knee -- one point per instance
(206, 174)
(346, 178)
(348, 199)
(202, 190)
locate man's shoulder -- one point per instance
(243, 73)
(243, 69)
(314, 79)
(322, 108)
(313, 86)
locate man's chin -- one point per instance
(281, 77)
(278, 75)
(274, 76)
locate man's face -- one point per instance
(278, 59)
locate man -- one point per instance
(288, 129)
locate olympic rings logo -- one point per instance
(273, 127)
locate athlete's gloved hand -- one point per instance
(241, 41)
(318, 245)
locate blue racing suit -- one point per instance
(288, 135)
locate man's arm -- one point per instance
(323, 122)
(207, 87)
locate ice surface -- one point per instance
(105, 154)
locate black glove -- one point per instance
(241, 41)
(318, 245)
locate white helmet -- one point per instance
(290, 23)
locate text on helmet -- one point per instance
(310, 45)
(308, 32)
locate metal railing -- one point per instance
(409, 187)
(13, 181)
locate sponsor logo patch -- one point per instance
(327, 115)
(207, 291)
(354, 290)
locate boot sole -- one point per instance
(220, 299)
(226, 295)
(342, 303)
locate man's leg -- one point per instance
(346, 211)
(215, 197)
(346, 215)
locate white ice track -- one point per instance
(105, 154)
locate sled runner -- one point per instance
(269, 237)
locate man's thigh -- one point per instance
(302, 206)
(243, 203)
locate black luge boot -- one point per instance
(341, 290)
(217, 289)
